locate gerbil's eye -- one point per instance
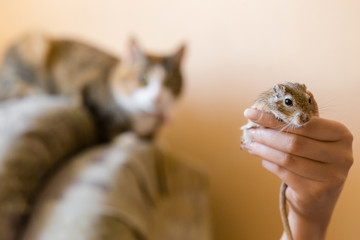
(309, 100)
(288, 102)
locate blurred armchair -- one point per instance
(56, 182)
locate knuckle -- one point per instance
(349, 161)
(274, 168)
(294, 142)
(287, 160)
(339, 179)
(346, 134)
(349, 137)
(338, 176)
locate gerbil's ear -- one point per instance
(134, 52)
(303, 87)
(279, 89)
(178, 56)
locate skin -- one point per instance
(313, 161)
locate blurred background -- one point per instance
(236, 49)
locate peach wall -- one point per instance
(237, 48)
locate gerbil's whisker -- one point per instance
(287, 126)
(284, 126)
(324, 109)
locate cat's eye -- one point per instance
(288, 102)
(143, 79)
(309, 100)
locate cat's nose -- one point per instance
(159, 97)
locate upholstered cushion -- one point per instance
(36, 133)
(126, 190)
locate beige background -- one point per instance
(236, 49)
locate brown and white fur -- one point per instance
(291, 104)
(135, 93)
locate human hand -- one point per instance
(312, 160)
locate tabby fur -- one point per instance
(135, 93)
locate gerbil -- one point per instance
(291, 104)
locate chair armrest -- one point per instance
(36, 135)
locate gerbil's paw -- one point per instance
(245, 140)
(279, 119)
(249, 125)
(242, 145)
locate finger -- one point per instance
(294, 181)
(306, 196)
(303, 167)
(317, 128)
(296, 144)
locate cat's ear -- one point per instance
(134, 52)
(178, 56)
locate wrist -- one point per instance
(310, 221)
(306, 229)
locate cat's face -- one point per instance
(146, 86)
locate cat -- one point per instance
(134, 93)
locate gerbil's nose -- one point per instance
(304, 118)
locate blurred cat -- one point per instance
(135, 93)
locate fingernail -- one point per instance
(249, 146)
(251, 113)
(251, 132)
